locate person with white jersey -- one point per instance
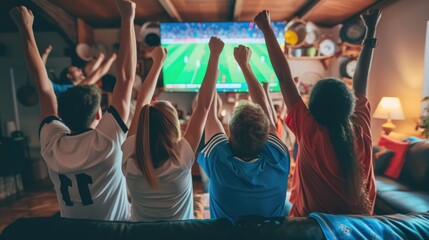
(83, 149)
(157, 160)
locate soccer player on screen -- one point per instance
(248, 171)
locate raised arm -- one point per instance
(127, 60)
(278, 60)
(266, 87)
(213, 125)
(148, 87)
(242, 55)
(46, 53)
(94, 64)
(24, 19)
(205, 96)
(100, 71)
(363, 66)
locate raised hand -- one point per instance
(22, 17)
(126, 8)
(371, 17)
(216, 45)
(242, 55)
(159, 54)
(263, 20)
(48, 49)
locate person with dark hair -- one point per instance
(248, 171)
(72, 76)
(83, 149)
(333, 172)
(157, 160)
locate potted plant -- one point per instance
(423, 122)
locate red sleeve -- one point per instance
(362, 119)
(301, 122)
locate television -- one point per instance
(188, 54)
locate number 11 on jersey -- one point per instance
(83, 180)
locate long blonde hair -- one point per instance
(157, 133)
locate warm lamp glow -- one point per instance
(389, 108)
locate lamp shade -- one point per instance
(389, 108)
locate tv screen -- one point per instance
(188, 53)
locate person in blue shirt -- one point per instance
(248, 170)
(72, 76)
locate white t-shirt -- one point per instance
(85, 168)
(173, 199)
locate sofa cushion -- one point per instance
(257, 227)
(387, 184)
(381, 157)
(403, 201)
(415, 170)
(54, 228)
(400, 149)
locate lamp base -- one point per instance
(388, 126)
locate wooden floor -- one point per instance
(39, 201)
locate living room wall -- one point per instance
(398, 62)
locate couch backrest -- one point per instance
(415, 170)
(64, 229)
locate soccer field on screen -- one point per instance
(186, 64)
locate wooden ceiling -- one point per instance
(103, 13)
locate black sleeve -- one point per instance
(118, 118)
(48, 120)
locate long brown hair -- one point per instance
(157, 133)
(332, 105)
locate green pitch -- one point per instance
(187, 64)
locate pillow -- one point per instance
(413, 139)
(397, 136)
(400, 149)
(380, 159)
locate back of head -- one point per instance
(331, 102)
(78, 106)
(332, 105)
(63, 76)
(249, 128)
(158, 132)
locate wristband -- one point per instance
(373, 42)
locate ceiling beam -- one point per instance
(57, 16)
(85, 33)
(238, 7)
(380, 4)
(171, 10)
(309, 8)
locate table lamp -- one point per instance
(389, 108)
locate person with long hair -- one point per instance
(157, 160)
(333, 173)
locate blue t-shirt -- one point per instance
(61, 88)
(239, 188)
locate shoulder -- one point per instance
(217, 142)
(275, 142)
(111, 122)
(52, 124)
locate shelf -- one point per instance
(308, 57)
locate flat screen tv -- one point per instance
(188, 53)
